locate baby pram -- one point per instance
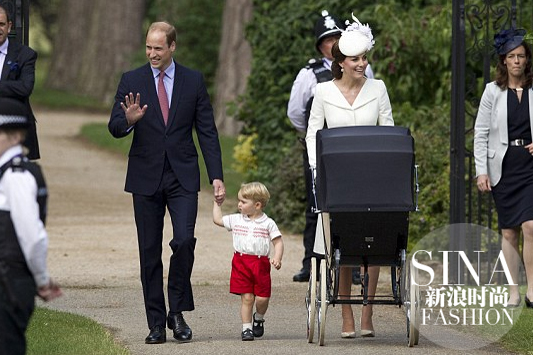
(365, 188)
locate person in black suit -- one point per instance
(17, 77)
(161, 103)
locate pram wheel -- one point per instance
(322, 303)
(310, 301)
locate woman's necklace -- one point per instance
(518, 93)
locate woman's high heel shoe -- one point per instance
(365, 333)
(529, 304)
(347, 335)
(515, 305)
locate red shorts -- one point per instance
(250, 274)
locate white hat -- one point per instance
(357, 39)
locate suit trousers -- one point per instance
(149, 219)
(311, 218)
(17, 302)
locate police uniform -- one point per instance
(298, 109)
(23, 238)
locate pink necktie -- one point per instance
(162, 95)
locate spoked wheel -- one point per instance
(413, 315)
(310, 301)
(322, 303)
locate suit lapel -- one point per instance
(176, 93)
(153, 100)
(12, 54)
(501, 115)
(366, 94)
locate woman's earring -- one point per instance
(342, 69)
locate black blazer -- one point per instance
(152, 140)
(17, 81)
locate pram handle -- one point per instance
(314, 208)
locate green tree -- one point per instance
(198, 24)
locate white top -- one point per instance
(18, 195)
(371, 106)
(303, 89)
(251, 236)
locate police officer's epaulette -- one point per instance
(18, 163)
(314, 63)
(21, 163)
(322, 73)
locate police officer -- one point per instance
(327, 31)
(23, 239)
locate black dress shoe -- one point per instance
(157, 335)
(182, 332)
(301, 276)
(529, 304)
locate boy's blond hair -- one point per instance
(256, 192)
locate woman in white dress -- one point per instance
(350, 99)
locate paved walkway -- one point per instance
(93, 254)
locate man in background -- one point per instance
(17, 77)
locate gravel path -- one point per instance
(93, 255)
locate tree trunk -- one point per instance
(234, 63)
(94, 43)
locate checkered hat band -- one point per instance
(12, 119)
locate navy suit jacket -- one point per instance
(190, 109)
(17, 81)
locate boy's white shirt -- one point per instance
(251, 236)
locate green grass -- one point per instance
(98, 134)
(60, 333)
(520, 337)
(57, 99)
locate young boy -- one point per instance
(23, 239)
(250, 270)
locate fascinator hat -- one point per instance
(356, 39)
(508, 39)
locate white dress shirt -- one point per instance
(3, 54)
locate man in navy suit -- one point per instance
(161, 103)
(17, 77)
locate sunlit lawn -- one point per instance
(59, 333)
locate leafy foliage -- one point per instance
(198, 24)
(412, 56)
